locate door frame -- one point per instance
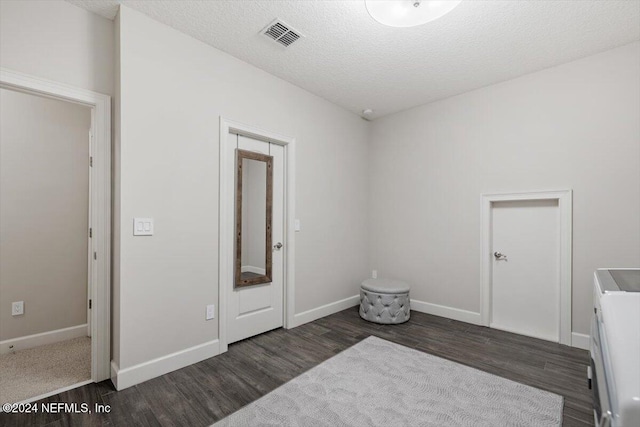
(225, 230)
(565, 205)
(99, 204)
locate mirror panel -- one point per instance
(254, 200)
(254, 217)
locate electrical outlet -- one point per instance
(211, 311)
(374, 274)
(17, 308)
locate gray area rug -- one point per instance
(379, 383)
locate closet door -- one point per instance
(526, 276)
(255, 308)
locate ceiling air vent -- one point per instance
(281, 33)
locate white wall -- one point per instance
(575, 126)
(57, 41)
(173, 91)
(44, 211)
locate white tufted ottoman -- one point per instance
(385, 301)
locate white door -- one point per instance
(252, 310)
(526, 257)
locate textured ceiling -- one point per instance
(353, 61)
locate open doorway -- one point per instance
(55, 247)
(44, 264)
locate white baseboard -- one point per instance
(577, 340)
(444, 311)
(421, 306)
(124, 378)
(44, 338)
(252, 269)
(582, 341)
(127, 377)
(325, 310)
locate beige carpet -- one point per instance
(35, 371)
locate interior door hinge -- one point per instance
(90, 232)
(89, 304)
(95, 255)
(91, 161)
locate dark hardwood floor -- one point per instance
(201, 394)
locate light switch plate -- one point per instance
(296, 225)
(17, 308)
(143, 226)
(211, 311)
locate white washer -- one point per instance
(615, 347)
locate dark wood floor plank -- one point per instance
(191, 382)
(92, 395)
(168, 405)
(534, 344)
(267, 361)
(568, 421)
(221, 395)
(206, 392)
(128, 407)
(344, 341)
(64, 422)
(25, 420)
(231, 389)
(249, 371)
(578, 414)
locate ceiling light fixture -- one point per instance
(408, 13)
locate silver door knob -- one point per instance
(498, 255)
(277, 246)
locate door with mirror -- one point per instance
(255, 300)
